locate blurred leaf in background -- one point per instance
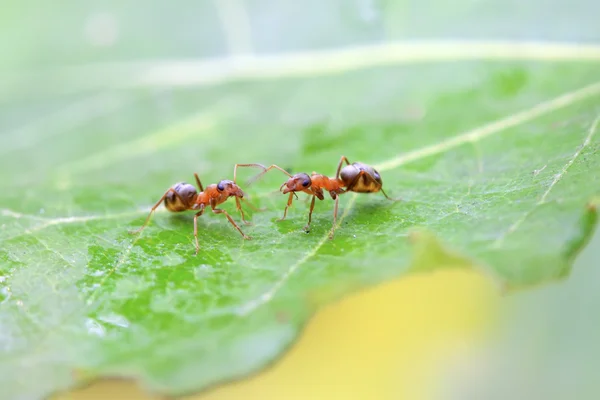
(547, 347)
(481, 116)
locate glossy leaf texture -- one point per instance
(491, 141)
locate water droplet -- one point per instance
(2, 279)
(172, 260)
(203, 270)
(115, 319)
(94, 328)
(161, 304)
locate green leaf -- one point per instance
(492, 145)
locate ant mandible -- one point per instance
(184, 197)
(354, 177)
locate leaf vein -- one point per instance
(48, 222)
(267, 296)
(170, 135)
(70, 116)
(493, 128)
(592, 131)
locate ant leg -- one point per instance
(335, 212)
(198, 182)
(289, 204)
(312, 207)
(252, 206)
(246, 165)
(154, 208)
(339, 168)
(390, 198)
(238, 205)
(199, 213)
(249, 165)
(363, 174)
(235, 178)
(220, 211)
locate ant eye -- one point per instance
(306, 183)
(220, 186)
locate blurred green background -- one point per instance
(38, 35)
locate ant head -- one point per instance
(297, 183)
(371, 179)
(229, 188)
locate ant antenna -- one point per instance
(259, 175)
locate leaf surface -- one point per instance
(492, 145)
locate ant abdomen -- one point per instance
(361, 178)
(182, 198)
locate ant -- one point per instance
(354, 177)
(184, 196)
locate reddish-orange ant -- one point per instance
(354, 177)
(184, 196)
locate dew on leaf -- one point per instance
(203, 271)
(115, 319)
(171, 260)
(94, 328)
